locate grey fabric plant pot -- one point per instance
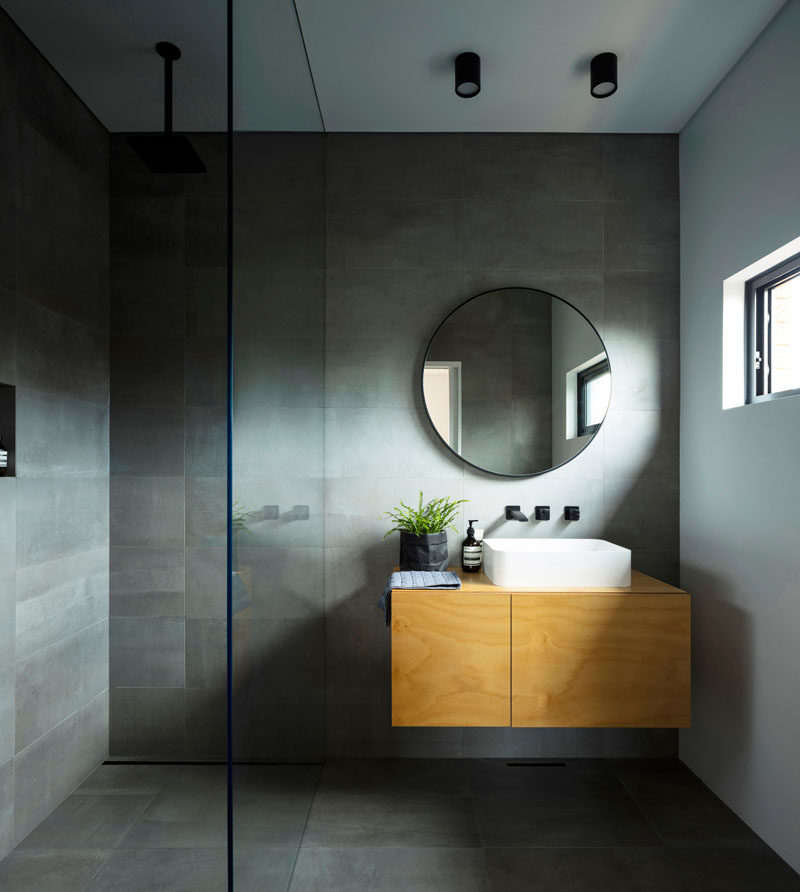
(426, 552)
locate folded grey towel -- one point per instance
(416, 579)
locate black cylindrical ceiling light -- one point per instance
(468, 75)
(604, 75)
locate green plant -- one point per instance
(240, 518)
(434, 517)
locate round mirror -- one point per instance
(516, 381)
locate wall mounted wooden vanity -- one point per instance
(490, 656)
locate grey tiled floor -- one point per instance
(385, 825)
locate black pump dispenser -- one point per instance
(471, 551)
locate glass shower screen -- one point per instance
(277, 351)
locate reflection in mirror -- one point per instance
(516, 381)
(441, 384)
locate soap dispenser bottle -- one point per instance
(471, 551)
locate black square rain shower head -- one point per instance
(167, 152)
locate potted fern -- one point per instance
(423, 532)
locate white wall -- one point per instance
(574, 343)
(740, 468)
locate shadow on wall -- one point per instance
(278, 671)
(278, 689)
(722, 672)
(358, 667)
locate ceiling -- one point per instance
(387, 65)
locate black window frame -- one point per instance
(584, 377)
(758, 307)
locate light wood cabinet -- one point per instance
(488, 656)
(600, 660)
(451, 658)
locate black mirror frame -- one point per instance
(422, 382)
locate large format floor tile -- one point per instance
(577, 803)
(529, 821)
(271, 804)
(585, 870)
(126, 779)
(49, 871)
(167, 870)
(681, 808)
(190, 811)
(390, 870)
(577, 825)
(731, 870)
(404, 777)
(87, 822)
(392, 802)
(656, 777)
(698, 820)
(385, 819)
(263, 869)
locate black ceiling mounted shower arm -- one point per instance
(169, 53)
(167, 151)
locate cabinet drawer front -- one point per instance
(451, 659)
(602, 660)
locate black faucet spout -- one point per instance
(513, 513)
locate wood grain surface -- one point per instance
(600, 660)
(451, 658)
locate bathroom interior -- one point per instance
(271, 270)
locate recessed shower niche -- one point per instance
(8, 398)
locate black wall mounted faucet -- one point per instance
(513, 513)
(572, 512)
(541, 512)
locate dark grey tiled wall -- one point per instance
(168, 452)
(398, 230)
(167, 494)
(54, 308)
(417, 223)
(279, 445)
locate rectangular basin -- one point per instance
(563, 563)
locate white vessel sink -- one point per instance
(567, 563)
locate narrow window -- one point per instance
(594, 389)
(772, 306)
